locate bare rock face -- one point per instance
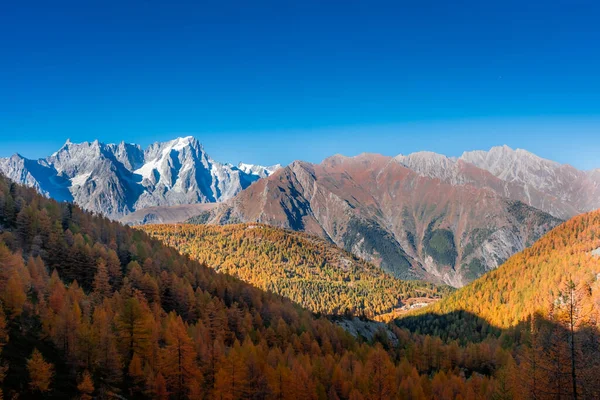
(409, 221)
(118, 179)
(559, 189)
(366, 329)
(37, 175)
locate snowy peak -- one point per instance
(178, 144)
(117, 179)
(162, 161)
(36, 174)
(258, 170)
(159, 158)
(595, 175)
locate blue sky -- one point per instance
(269, 82)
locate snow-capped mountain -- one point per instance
(258, 170)
(117, 179)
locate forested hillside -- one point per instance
(535, 279)
(304, 268)
(93, 309)
(544, 303)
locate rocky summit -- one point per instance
(118, 179)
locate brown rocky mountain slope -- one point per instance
(412, 225)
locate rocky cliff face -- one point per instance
(409, 221)
(117, 179)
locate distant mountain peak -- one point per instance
(525, 168)
(17, 156)
(497, 153)
(258, 170)
(117, 179)
(182, 142)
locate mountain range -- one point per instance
(109, 280)
(412, 225)
(118, 179)
(91, 308)
(417, 216)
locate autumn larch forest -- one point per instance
(94, 309)
(306, 269)
(299, 200)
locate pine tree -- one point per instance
(530, 368)
(14, 296)
(231, 379)
(40, 372)
(179, 357)
(101, 284)
(162, 392)
(134, 328)
(305, 385)
(505, 382)
(86, 344)
(573, 321)
(38, 273)
(86, 386)
(136, 373)
(3, 330)
(380, 375)
(108, 362)
(113, 266)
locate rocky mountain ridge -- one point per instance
(118, 179)
(411, 224)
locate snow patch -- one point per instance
(147, 169)
(258, 170)
(181, 143)
(81, 179)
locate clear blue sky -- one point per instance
(268, 82)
